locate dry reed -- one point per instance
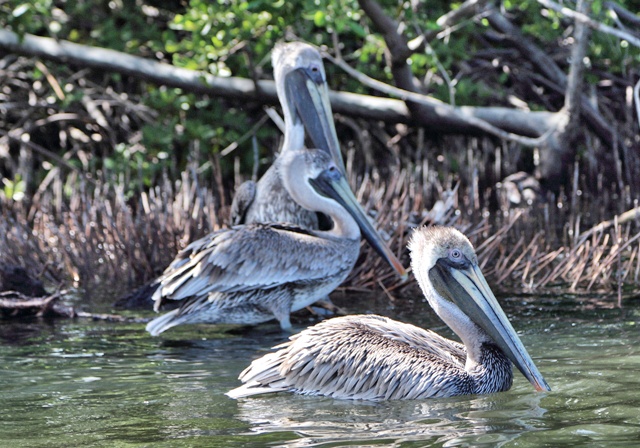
(94, 236)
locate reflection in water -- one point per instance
(493, 419)
(21, 333)
(84, 383)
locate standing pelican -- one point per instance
(250, 274)
(301, 84)
(375, 358)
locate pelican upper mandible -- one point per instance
(253, 273)
(376, 358)
(301, 84)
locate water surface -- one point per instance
(83, 383)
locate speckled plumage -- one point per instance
(228, 277)
(375, 358)
(270, 203)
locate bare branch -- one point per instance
(629, 215)
(465, 11)
(397, 44)
(636, 96)
(542, 61)
(439, 107)
(550, 69)
(574, 81)
(12, 135)
(579, 17)
(407, 90)
(264, 92)
(158, 72)
(622, 13)
(250, 133)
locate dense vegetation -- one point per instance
(68, 131)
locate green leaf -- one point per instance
(357, 29)
(319, 19)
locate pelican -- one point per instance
(253, 273)
(301, 84)
(375, 358)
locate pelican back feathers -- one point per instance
(365, 357)
(226, 277)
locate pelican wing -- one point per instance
(249, 257)
(358, 357)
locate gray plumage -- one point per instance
(375, 358)
(253, 273)
(301, 84)
(267, 200)
(242, 200)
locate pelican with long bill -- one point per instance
(301, 83)
(375, 358)
(253, 273)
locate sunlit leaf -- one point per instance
(319, 18)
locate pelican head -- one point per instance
(446, 267)
(314, 180)
(301, 83)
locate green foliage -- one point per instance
(606, 52)
(120, 24)
(28, 16)
(235, 37)
(209, 33)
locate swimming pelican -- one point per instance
(376, 358)
(250, 274)
(301, 84)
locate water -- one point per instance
(85, 384)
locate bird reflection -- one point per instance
(458, 421)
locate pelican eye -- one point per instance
(315, 74)
(332, 172)
(456, 255)
(456, 259)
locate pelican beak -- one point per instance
(333, 185)
(308, 98)
(468, 289)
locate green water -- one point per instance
(83, 384)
